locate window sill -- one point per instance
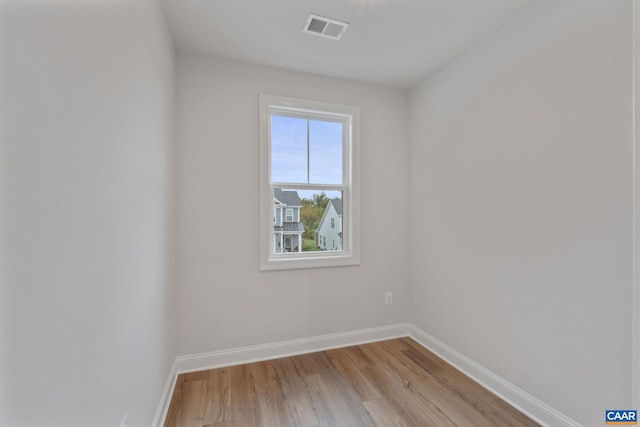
(291, 262)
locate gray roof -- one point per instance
(290, 227)
(337, 204)
(288, 197)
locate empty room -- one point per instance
(319, 212)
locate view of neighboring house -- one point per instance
(329, 231)
(287, 229)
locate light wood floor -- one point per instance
(388, 383)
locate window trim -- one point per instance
(350, 254)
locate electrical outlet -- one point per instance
(124, 420)
(388, 298)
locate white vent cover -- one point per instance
(325, 27)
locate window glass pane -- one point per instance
(310, 226)
(325, 152)
(288, 149)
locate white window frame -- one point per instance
(287, 216)
(350, 253)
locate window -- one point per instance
(308, 159)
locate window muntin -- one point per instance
(308, 148)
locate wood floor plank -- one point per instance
(390, 383)
(403, 366)
(297, 402)
(336, 406)
(244, 402)
(270, 401)
(347, 363)
(404, 401)
(311, 363)
(449, 376)
(456, 409)
(430, 363)
(218, 397)
(321, 405)
(383, 414)
(191, 411)
(359, 356)
(501, 413)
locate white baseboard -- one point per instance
(256, 353)
(518, 398)
(529, 405)
(165, 399)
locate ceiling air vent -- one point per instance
(325, 27)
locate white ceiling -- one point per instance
(389, 42)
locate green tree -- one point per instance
(320, 200)
(310, 217)
(311, 213)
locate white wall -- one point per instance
(224, 301)
(521, 183)
(86, 212)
